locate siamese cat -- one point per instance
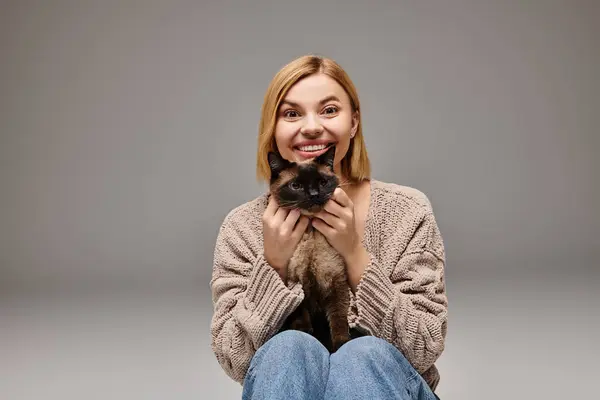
(308, 185)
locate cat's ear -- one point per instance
(327, 158)
(277, 164)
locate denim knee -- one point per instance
(291, 345)
(291, 365)
(291, 341)
(372, 349)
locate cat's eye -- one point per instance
(323, 182)
(295, 186)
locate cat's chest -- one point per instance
(320, 257)
(314, 242)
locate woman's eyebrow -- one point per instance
(330, 98)
(291, 103)
(324, 100)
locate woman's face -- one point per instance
(315, 113)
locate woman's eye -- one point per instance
(290, 114)
(295, 186)
(331, 110)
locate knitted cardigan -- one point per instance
(401, 296)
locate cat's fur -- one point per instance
(320, 269)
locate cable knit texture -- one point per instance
(401, 296)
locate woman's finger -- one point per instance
(280, 215)
(322, 227)
(332, 207)
(341, 197)
(330, 219)
(290, 220)
(301, 225)
(271, 207)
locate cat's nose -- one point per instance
(313, 193)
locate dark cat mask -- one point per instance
(306, 185)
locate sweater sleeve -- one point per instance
(406, 303)
(251, 302)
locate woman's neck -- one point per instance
(354, 190)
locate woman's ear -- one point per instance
(355, 120)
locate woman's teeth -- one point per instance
(312, 147)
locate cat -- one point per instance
(320, 269)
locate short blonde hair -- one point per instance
(355, 165)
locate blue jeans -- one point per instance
(294, 365)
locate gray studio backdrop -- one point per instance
(128, 131)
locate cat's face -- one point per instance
(305, 185)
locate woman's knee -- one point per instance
(368, 346)
(286, 362)
(374, 350)
(291, 345)
(293, 341)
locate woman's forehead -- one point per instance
(315, 89)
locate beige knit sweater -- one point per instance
(401, 296)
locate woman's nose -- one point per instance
(312, 126)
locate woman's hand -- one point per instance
(337, 223)
(282, 231)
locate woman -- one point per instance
(386, 233)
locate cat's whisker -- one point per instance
(287, 202)
(292, 204)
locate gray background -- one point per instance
(128, 131)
